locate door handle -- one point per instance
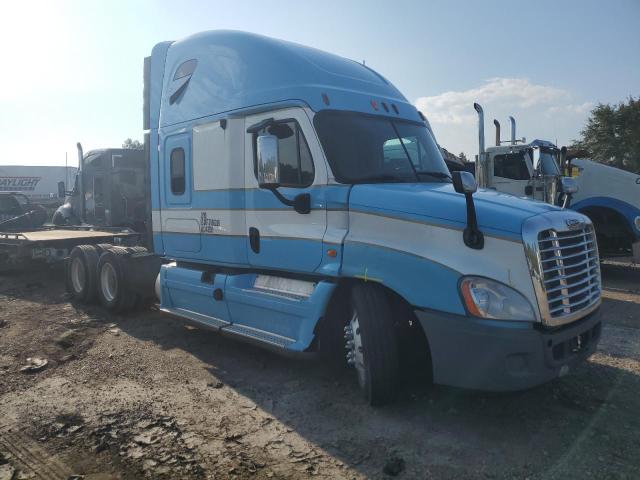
(254, 239)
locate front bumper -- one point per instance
(503, 355)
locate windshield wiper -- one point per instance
(380, 178)
(434, 174)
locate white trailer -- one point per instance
(38, 183)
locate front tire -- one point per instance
(372, 344)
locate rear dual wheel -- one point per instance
(80, 275)
(101, 272)
(114, 289)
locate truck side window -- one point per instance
(296, 164)
(511, 166)
(177, 171)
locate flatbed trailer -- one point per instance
(51, 244)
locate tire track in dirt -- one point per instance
(28, 457)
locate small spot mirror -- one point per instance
(569, 185)
(464, 182)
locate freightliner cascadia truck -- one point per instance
(300, 202)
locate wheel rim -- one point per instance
(108, 282)
(355, 351)
(77, 274)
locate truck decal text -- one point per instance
(208, 225)
(18, 184)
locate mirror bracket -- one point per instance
(301, 203)
(256, 127)
(472, 236)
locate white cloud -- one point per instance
(542, 111)
(457, 107)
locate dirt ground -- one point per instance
(143, 396)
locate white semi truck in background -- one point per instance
(540, 170)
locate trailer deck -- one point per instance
(53, 244)
(57, 234)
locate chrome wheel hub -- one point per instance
(355, 352)
(77, 274)
(108, 282)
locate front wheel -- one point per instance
(371, 343)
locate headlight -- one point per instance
(486, 298)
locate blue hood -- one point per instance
(498, 214)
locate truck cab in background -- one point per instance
(540, 170)
(522, 169)
(110, 190)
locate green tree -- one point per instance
(132, 144)
(612, 135)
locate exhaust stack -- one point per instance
(81, 181)
(481, 162)
(513, 130)
(497, 124)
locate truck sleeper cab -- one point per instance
(301, 203)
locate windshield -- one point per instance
(366, 149)
(548, 162)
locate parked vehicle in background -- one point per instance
(540, 170)
(110, 190)
(299, 202)
(522, 169)
(105, 207)
(610, 197)
(17, 211)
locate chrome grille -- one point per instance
(570, 270)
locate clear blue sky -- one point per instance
(73, 69)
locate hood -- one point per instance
(498, 213)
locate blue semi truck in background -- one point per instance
(297, 200)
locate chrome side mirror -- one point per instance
(268, 169)
(464, 182)
(569, 185)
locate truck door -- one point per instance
(511, 173)
(99, 200)
(180, 223)
(277, 236)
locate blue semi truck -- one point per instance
(299, 201)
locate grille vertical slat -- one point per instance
(570, 269)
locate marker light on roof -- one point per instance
(374, 104)
(384, 105)
(395, 109)
(325, 99)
